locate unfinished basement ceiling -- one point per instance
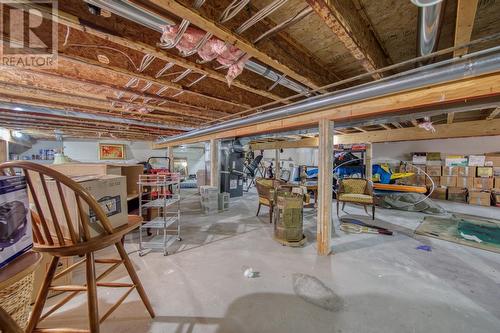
(100, 58)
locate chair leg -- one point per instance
(373, 212)
(338, 208)
(343, 205)
(36, 313)
(258, 210)
(271, 210)
(135, 279)
(92, 294)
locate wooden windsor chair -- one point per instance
(59, 235)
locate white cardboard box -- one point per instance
(110, 191)
(15, 219)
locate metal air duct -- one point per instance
(25, 108)
(156, 22)
(430, 17)
(471, 65)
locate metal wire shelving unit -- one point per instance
(161, 195)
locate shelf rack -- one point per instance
(161, 196)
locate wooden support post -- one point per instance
(277, 164)
(4, 151)
(214, 163)
(325, 182)
(368, 161)
(170, 155)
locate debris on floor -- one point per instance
(411, 202)
(424, 248)
(250, 273)
(483, 233)
(356, 226)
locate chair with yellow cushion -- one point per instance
(265, 189)
(355, 190)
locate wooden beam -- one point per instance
(368, 160)
(404, 102)
(360, 129)
(74, 23)
(26, 94)
(277, 164)
(351, 29)
(214, 163)
(325, 184)
(397, 125)
(94, 89)
(450, 117)
(302, 143)
(226, 35)
(445, 131)
(387, 127)
(493, 114)
(466, 14)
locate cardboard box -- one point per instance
(41, 271)
(86, 169)
(469, 171)
(496, 183)
(15, 219)
(476, 160)
(448, 181)
(130, 171)
(482, 183)
(465, 182)
(492, 160)
(450, 170)
(436, 180)
(434, 170)
(419, 158)
(457, 194)
(439, 193)
(495, 197)
(484, 171)
(480, 198)
(110, 192)
(496, 171)
(455, 160)
(433, 156)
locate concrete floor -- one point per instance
(372, 283)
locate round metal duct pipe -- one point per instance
(476, 64)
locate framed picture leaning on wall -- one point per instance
(111, 151)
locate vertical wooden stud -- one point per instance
(368, 161)
(214, 163)
(170, 155)
(325, 183)
(277, 165)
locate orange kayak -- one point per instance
(399, 188)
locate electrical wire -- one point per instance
(260, 15)
(146, 61)
(107, 48)
(232, 10)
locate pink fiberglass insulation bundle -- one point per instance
(214, 48)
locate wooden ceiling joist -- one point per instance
(493, 114)
(466, 14)
(74, 23)
(387, 127)
(84, 88)
(450, 117)
(226, 35)
(25, 94)
(347, 24)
